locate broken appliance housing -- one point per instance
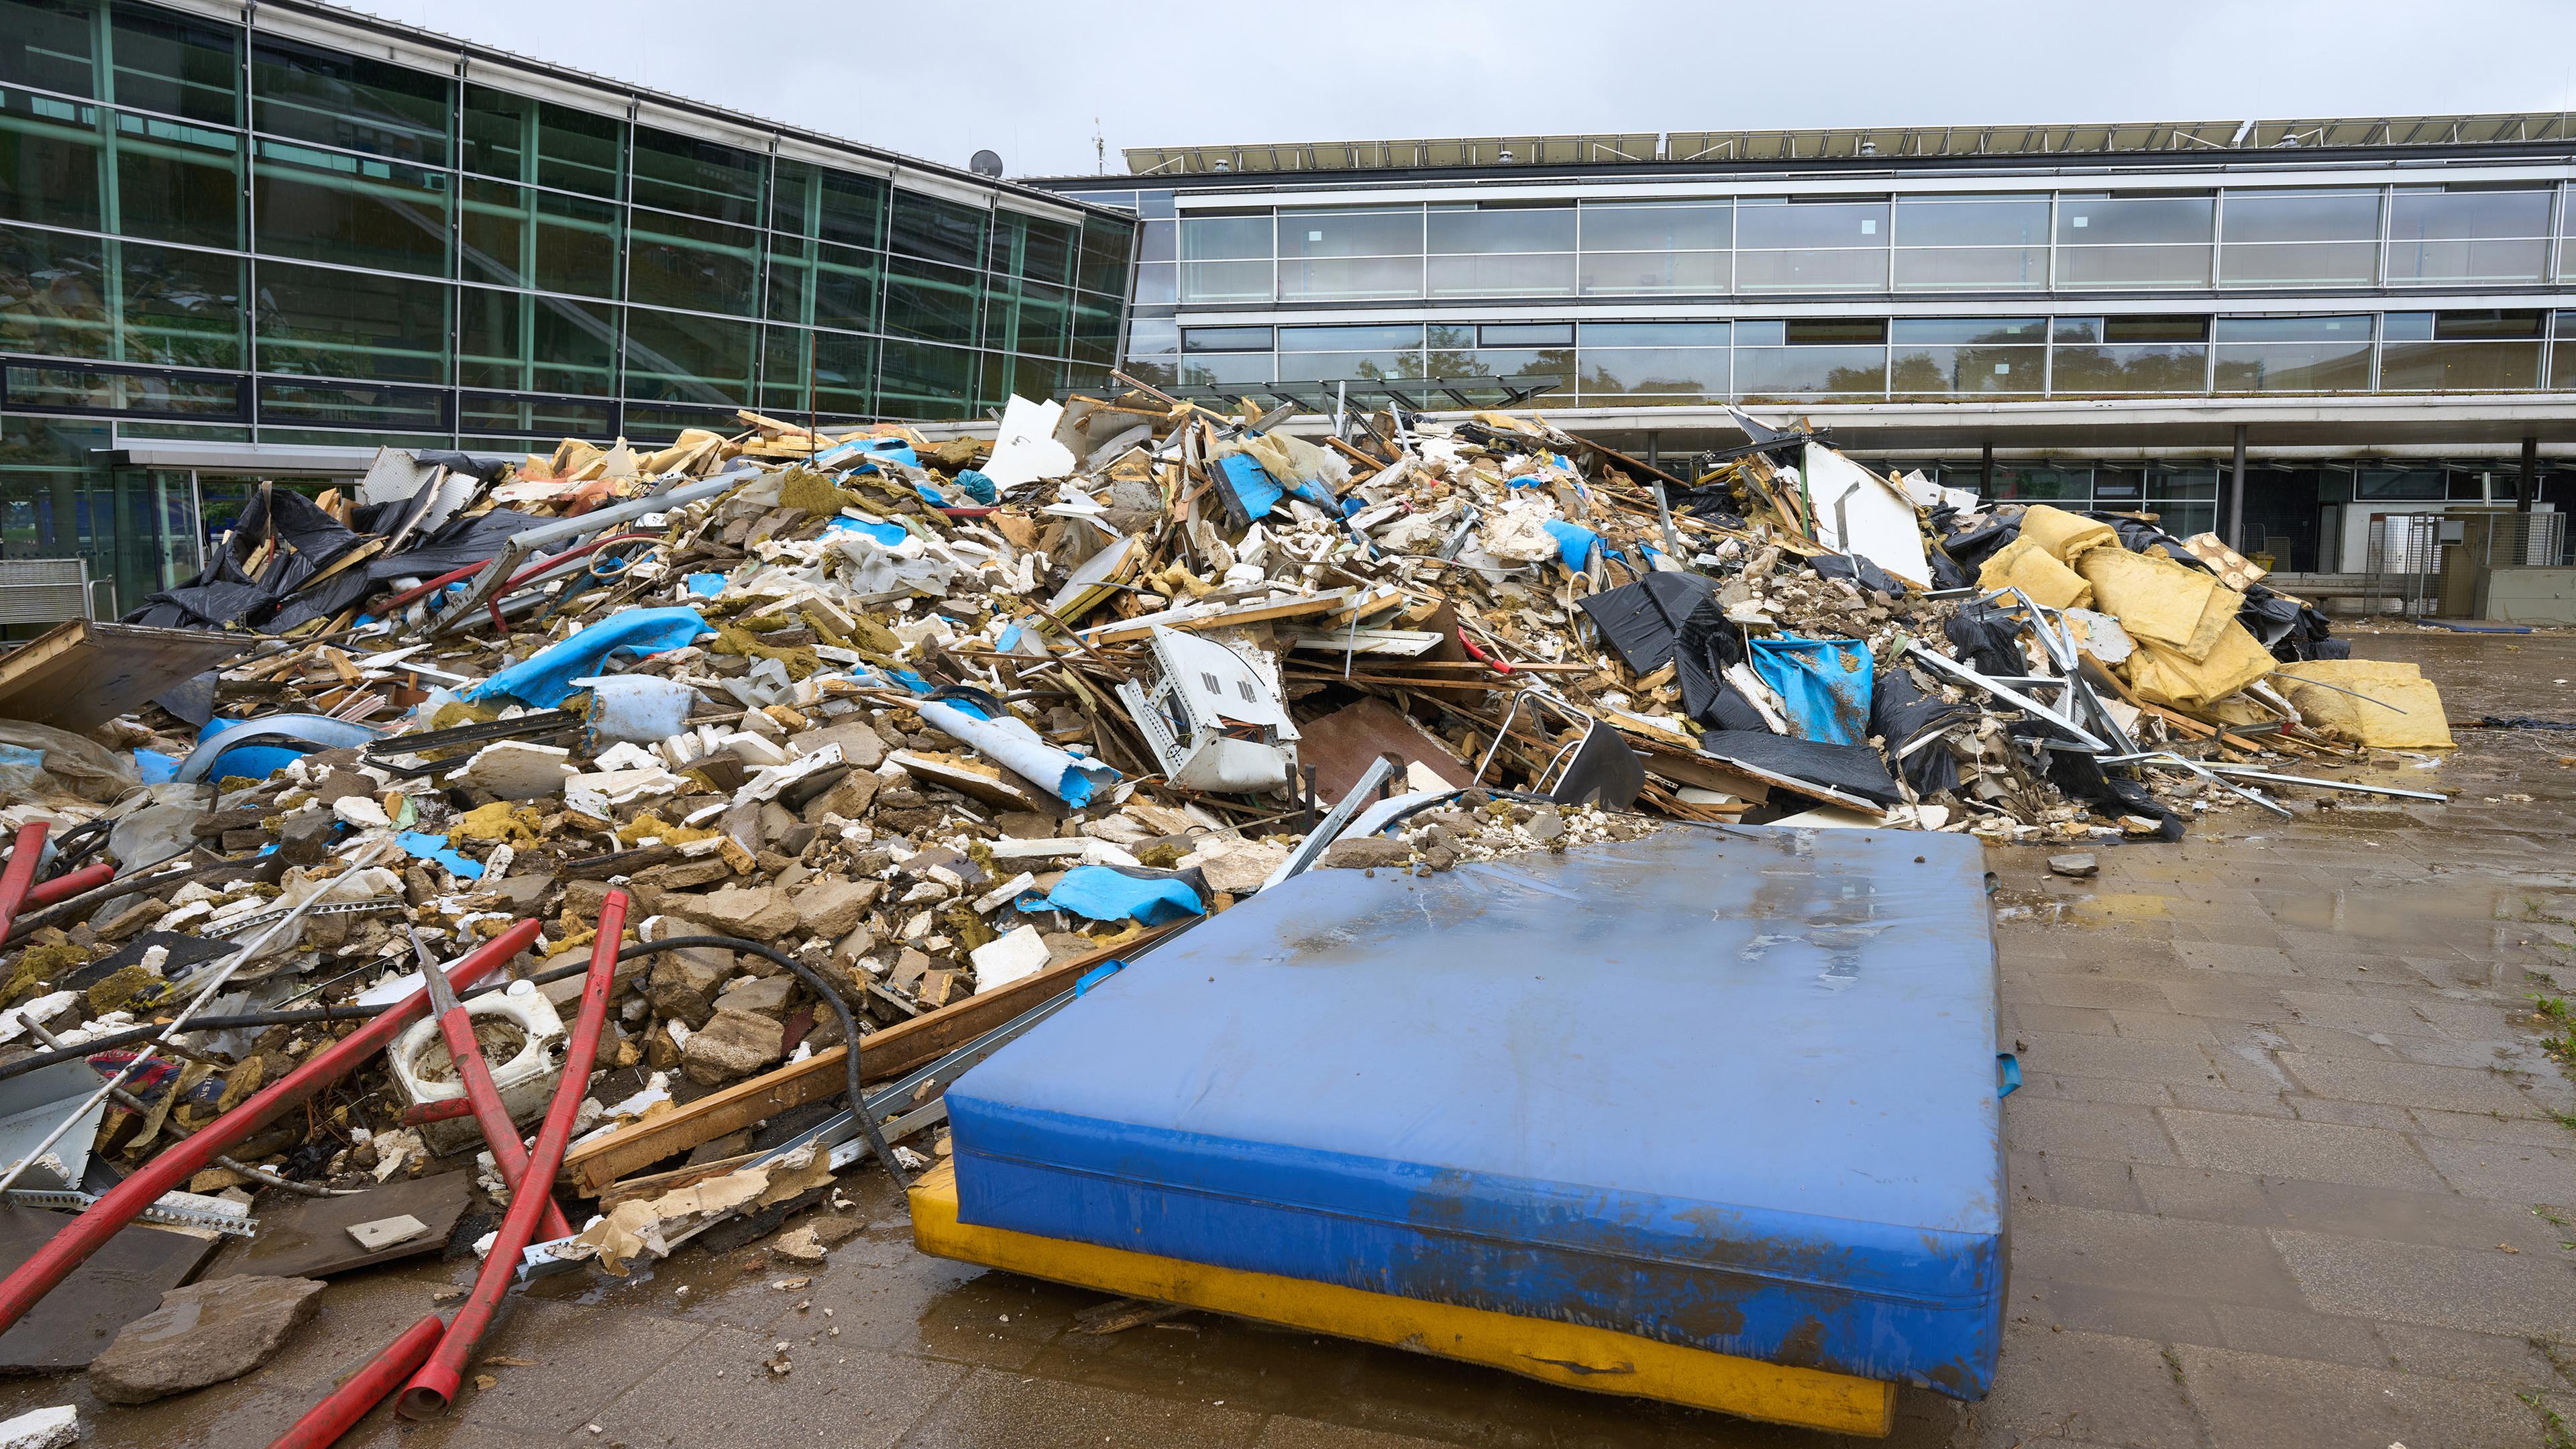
(1214, 715)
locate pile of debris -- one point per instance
(909, 737)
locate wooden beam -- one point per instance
(903, 1047)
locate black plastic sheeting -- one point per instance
(308, 541)
(1859, 570)
(455, 544)
(1851, 769)
(1989, 638)
(1642, 620)
(1900, 713)
(2082, 776)
(1971, 549)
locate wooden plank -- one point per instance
(1289, 609)
(592, 1166)
(80, 675)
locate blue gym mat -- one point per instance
(1731, 1089)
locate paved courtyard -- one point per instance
(2284, 1171)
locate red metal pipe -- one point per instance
(499, 1132)
(446, 1109)
(325, 1422)
(20, 875)
(64, 887)
(84, 1235)
(433, 1388)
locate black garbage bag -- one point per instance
(1710, 645)
(1901, 714)
(454, 544)
(1851, 769)
(1989, 637)
(2082, 776)
(1971, 549)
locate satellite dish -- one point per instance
(986, 163)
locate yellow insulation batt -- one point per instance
(2169, 677)
(2161, 602)
(2399, 708)
(2026, 564)
(2066, 536)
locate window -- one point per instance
(2292, 354)
(842, 378)
(1502, 251)
(517, 342)
(178, 182)
(175, 65)
(1028, 317)
(677, 357)
(1106, 248)
(1350, 254)
(831, 287)
(931, 302)
(1528, 334)
(937, 230)
(2562, 351)
(2438, 234)
(47, 44)
(2299, 238)
(1036, 247)
(376, 408)
(2134, 241)
(1971, 243)
(698, 178)
(833, 206)
(922, 380)
(357, 211)
(2095, 355)
(1325, 354)
(181, 308)
(1948, 356)
(53, 294)
(49, 152)
(350, 102)
(1225, 258)
(351, 324)
(1819, 356)
(1657, 248)
(518, 236)
(518, 139)
(691, 263)
(2470, 351)
(1799, 245)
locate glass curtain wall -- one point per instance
(239, 236)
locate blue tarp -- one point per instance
(546, 677)
(1101, 893)
(1825, 683)
(1253, 486)
(888, 534)
(706, 586)
(856, 453)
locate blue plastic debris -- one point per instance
(545, 678)
(979, 487)
(858, 454)
(1105, 893)
(421, 845)
(888, 534)
(1823, 683)
(706, 586)
(154, 767)
(1574, 543)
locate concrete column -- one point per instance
(1654, 450)
(1986, 471)
(2236, 496)
(2527, 488)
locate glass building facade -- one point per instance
(1707, 296)
(322, 230)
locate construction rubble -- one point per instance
(916, 736)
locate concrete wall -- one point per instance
(2527, 595)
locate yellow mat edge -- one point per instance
(1572, 1355)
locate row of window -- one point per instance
(160, 180)
(1909, 357)
(66, 294)
(177, 80)
(2339, 237)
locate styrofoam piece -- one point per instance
(517, 770)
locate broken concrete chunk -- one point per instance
(51, 1428)
(758, 913)
(734, 1044)
(831, 907)
(1365, 853)
(1237, 867)
(386, 1232)
(2079, 865)
(763, 996)
(517, 770)
(202, 1334)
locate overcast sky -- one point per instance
(1028, 79)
